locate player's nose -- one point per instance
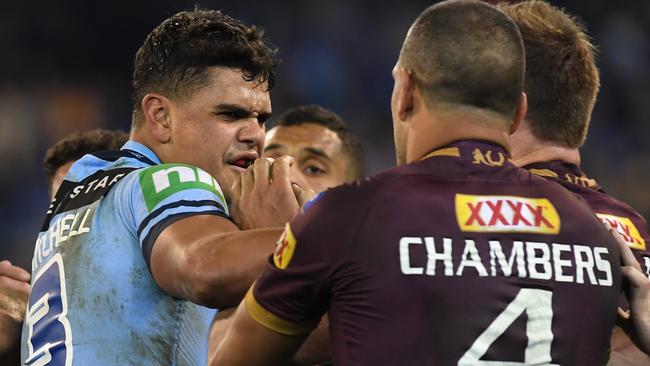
(252, 134)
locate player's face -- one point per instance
(58, 176)
(399, 130)
(220, 128)
(320, 161)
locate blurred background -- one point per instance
(65, 66)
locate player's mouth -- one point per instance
(241, 162)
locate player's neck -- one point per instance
(139, 135)
(442, 129)
(527, 149)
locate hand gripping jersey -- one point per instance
(458, 259)
(620, 216)
(93, 299)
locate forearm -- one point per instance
(9, 333)
(248, 343)
(316, 348)
(219, 269)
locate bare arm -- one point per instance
(244, 335)
(207, 260)
(14, 290)
(315, 350)
(636, 322)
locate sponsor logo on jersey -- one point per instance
(504, 214)
(284, 249)
(626, 228)
(162, 181)
(485, 158)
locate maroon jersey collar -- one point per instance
(563, 172)
(478, 152)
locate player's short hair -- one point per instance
(324, 117)
(562, 79)
(176, 55)
(466, 53)
(76, 145)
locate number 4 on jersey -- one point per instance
(538, 307)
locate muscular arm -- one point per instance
(315, 350)
(246, 334)
(206, 259)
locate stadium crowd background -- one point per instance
(66, 66)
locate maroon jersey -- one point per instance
(619, 215)
(458, 259)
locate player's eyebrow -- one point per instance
(273, 147)
(318, 152)
(242, 112)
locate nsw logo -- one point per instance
(504, 214)
(162, 181)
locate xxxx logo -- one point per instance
(626, 228)
(504, 214)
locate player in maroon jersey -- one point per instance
(562, 83)
(456, 257)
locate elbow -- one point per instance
(212, 285)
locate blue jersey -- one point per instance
(93, 299)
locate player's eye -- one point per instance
(313, 170)
(232, 115)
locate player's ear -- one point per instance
(156, 108)
(404, 93)
(520, 113)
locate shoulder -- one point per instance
(158, 183)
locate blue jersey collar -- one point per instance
(141, 149)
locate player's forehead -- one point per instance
(227, 86)
(304, 138)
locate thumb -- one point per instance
(302, 195)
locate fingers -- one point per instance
(280, 171)
(302, 195)
(8, 284)
(627, 257)
(247, 180)
(636, 277)
(14, 272)
(261, 170)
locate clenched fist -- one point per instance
(264, 195)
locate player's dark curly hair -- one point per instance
(75, 146)
(175, 55)
(321, 116)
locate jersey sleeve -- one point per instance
(294, 290)
(153, 198)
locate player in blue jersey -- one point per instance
(14, 281)
(562, 84)
(139, 243)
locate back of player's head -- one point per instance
(562, 80)
(176, 55)
(466, 53)
(324, 117)
(75, 146)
